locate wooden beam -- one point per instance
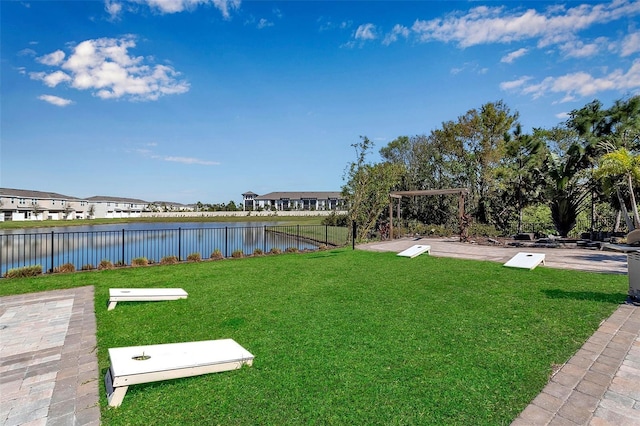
(395, 194)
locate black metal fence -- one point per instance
(598, 228)
(86, 250)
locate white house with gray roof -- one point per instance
(21, 204)
(318, 200)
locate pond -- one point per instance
(86, 246)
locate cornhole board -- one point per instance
(526, 260)
(415, 251)
(143, 295)
(143, 364)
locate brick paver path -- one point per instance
(48, 360)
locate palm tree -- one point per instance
(619, 165)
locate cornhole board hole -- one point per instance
(143, 295)
(143, 364)
(526, 260)
(415, 251)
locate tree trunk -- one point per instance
(634, 206)
(623, 209)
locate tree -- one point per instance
(367, 188)
(622, 165)
(520, 174)
(568, 194)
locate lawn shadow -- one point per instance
(613, 298)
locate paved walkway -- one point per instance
(48, 360)
(49, 370)
(600, 384)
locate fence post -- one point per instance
(226, 241)
(123, 246)
(326, 235)
(353, 235)
(52, 234)
(264, 238)
(298, 237)
(179, 243)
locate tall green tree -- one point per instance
(520, 176)
(621, 165)
(367, 188)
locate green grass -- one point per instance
(350, 337)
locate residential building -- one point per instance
(21, 204)
(319, 200)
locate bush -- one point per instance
(291, 250)
(237, 254)
(105, 264)
(335, 219)
(169, 260)
(25, 271)
(483, 230)
(275, 250)
(139, 261)
(87, 267)
(194, 257)
(67, 267)
(258, 252)
(216, 255)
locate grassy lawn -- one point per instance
(350, 337)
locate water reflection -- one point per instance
(86, 246)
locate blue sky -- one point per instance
(202, 100)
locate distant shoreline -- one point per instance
(302, 220)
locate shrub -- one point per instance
(169, 260)
(483, 230)
(87, 267)
(335, 219)
(105, 264)
(194, 257)
(25, 271)
(275, 250)
(140, 261)
(216, 254)
(67, 267)
(237, 254)
(323, 247)
(291, 250)
(258, 252)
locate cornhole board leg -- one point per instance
(526, 260)
(415, 251)
(144, 364)
(143, 295)
(114, 395)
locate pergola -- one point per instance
(399, 194)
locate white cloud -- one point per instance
(263, 23)
(579, 49)
(105, 67)
(509, 58)
(514, 84)
(631, 44)
(366, 32)
(397, 31)
(185, 160)
(27, 52)
(55, 100)
(175, 6)
(483, 24)
(582, 84)
(113, 8)
(54, 58)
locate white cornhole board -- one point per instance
(169, 361)
(143, 295)
(415, 251)
(526, 260)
